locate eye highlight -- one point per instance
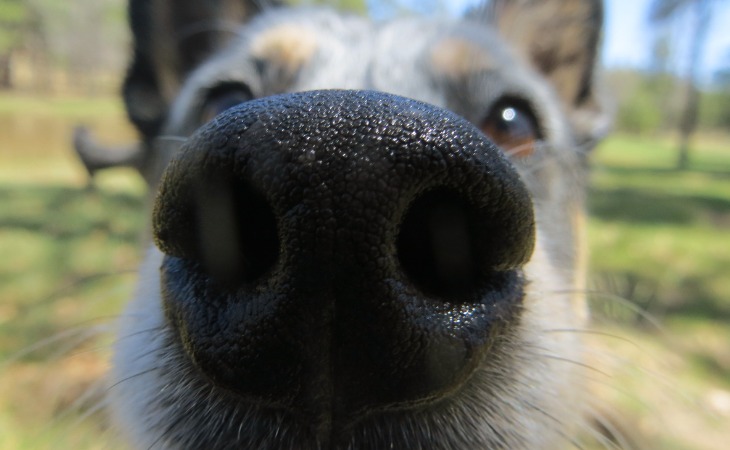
(512, 126)
(223, 97)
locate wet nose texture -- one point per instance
(336, 253)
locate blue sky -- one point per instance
(627, 39)
(627, 36)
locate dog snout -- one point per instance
(335, 253)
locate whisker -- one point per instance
(131, 377)
(572, 361)
(596, 295)
(609, 434)
(139, 332)
(100, 405)
(589, 426)
(629, 305)
(73, 286)
(556, 421)
(97, 349)
(171, 138)
(94, 390)
(76, 337)
(587, 331)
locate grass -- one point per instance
(658, 235)
(660, 244)
(659, 240)
(59, 107)
(68, 266)
(72, 253)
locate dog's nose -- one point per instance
(334, 253)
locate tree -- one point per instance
(15, 19)
(663, 11)
(715, 111)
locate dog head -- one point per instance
(368, 235)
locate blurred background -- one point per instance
(659, 218)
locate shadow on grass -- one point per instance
(686, 282)
(66, 213)
(714, 173)
(631, 298)
(634, 205)
(67, 258)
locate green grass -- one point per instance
(69, 263)
(661, 236)
(36, 131)
(660, 258)
(68, 251)
(69, 259)
(60, 107)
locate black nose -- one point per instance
(335, 253)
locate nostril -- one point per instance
(238, 234)
(230, 229)
(436, 244)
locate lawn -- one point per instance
(69, 259)
(660, 259)
(662, 232)
(660, 255)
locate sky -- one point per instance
(628, 39)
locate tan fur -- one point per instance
(285, 49)
(455, 58)
(555, 54)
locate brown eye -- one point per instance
(223, 97)
(512, 127)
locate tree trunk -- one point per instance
(688, 125)
(688, 121)
(6, 71)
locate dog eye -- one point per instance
(512, 126)
(223, 97)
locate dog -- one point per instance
(367, 235)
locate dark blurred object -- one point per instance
(96, 156)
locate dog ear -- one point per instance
(560, 39)
(170, 39)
